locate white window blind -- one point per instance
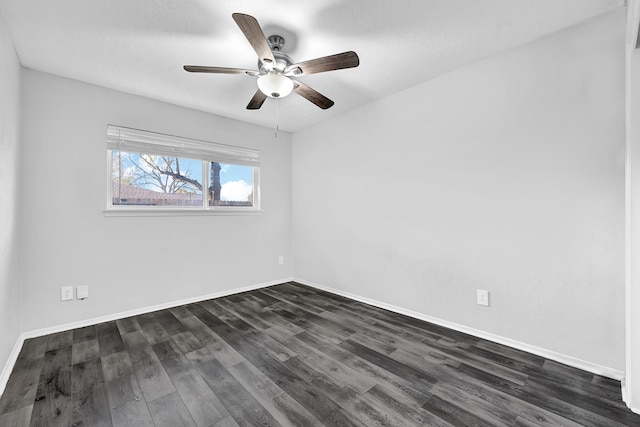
(140, 141)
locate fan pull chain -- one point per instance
(277, 116)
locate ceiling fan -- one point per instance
(276, 70)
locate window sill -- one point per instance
(179, 212)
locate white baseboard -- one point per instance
(543, 352)
(626, 398)
(8, 368)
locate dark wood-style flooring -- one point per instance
(292, 355)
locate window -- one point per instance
(156, 172)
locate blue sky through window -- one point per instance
(236, 180)
(236, 173)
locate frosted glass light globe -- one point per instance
(275, 85)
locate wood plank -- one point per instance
(304, 393)
(126, 400)
(251, 311)
(242, 406)
(519, 364)
(389, 364)
(283, 407)
(84, 334)
(345, 399)
(128, 324)
(109, 338)
(548, 403)
(122, 391)
(52, 404)
(33, 348)
(563, 379)
(214, 307)
(187, 342)
(116, 365)
(227, 422)
(22, 385)
(203, 405)
(59, 340)
(266, 299)
(308, 325)
(169, 411)
(180, 312)
(221, 349)
(272, 347)
(234, 325)
(505, 370)
(336, 327)
(17, 418)
(510, 352)
(206, 317)
(89, 397)
(588, 405)
(449, 377)
(338, 372)
(152, 377)
(85, 351)
(252, 318)
(532, 416)
(399, 408)
(169, 322)
(454, 414)
(481, 408)
(418, 393)
(378, 345)
(293, 299)
(133, 413)
(152, 329)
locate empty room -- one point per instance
(329, 213)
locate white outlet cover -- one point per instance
(280, 260)
(483, 297)
(66, 293)
(82, 292)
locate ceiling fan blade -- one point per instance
(326, 63)
(218, 70)
(253, 32)
(312, 95)
(257, 100)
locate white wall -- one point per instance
(506, 175)
(10, 326)
(632, 379)
(133, 262)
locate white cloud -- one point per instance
(238, 191)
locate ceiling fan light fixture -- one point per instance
(276, 70)
(275, 85)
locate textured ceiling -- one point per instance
(140, 46)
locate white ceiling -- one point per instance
(140, 46)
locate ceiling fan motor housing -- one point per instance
(282, 59)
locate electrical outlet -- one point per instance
(483, 297)
(281, 260)
(82, 292)
(66, 293)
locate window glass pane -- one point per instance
(155, 180)
(230, 185)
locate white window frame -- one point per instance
(125, 139)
